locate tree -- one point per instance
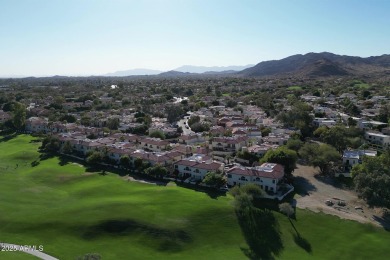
(214, 179)
(157, 171)
(68, 118)
(248, 156)
(298, 117)
(200, 127)
(19, 116)
(50, 144)
(322, 156)
(350, 108)
(337, 137)
(85, 120)
(372, 179)
(113, 123)
(244, 195)
(253, 189)
(94, 158)
(173, 113)
(286, 209)
(243, 201)
(320, 130)
(282, 155)
(67, 148)
(192, 120)
(215, 103)
(294, 144)
(125, 161)
(265, 131)
(138, 163)
(231, 103)
(157, 134)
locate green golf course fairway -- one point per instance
(72, 212)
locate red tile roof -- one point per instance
(266, 170)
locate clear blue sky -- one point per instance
(84, 37)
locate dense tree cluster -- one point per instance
(214, 179)
(372, 179)
(323, 156)
(284, 156)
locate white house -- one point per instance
(162, 158)
(197, 166)
(378, 139)
(191, 139)
(36, 124)
(229, 144)
(365, 125)
(324, 122)
(154, 144)
(268, 176)
(351, 158)
(276, 139)
(260, 150)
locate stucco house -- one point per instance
(197, 166)
(154, 144)
(268, 176)
(229, 144)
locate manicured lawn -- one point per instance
(72, 212)
(17, 256)
(295, 88)
(362, 86)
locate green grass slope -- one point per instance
(71, 212)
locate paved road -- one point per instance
(183, 125)
(13, 247)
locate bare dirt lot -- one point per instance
(313, 190)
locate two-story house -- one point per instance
(268, 176)
(154, 144)
(197, 166)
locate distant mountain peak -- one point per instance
(321, 64)
(203, 69)
(133, 72)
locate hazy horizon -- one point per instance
(96, 37)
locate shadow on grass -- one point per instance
(299, 240)
(35, 163)
(261, 231)
(7, 137)
(302, 243)
(45, 156)
(384, 222)
(303, 187)
(211, 192)
(161, 239)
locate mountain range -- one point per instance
(133, 72)
(183, 69)
(204, 69)
(312, 64)
(320, 65)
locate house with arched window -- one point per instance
(268, 176)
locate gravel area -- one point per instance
(313, 190)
